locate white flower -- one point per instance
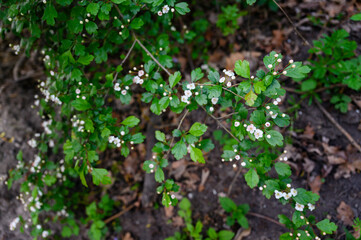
(214, 100)
(136, 79)
(122, 133)
(278, 194)
(116, 87)
(140, 73)
(293, 192)
(269, 66)
(276, 55)
(287, 195)
(237, 157)
(165, 9)
(77, 91)
(299, 207)
(229, 84)
(229, 73)
(236, 124)
(44, 234)
(13, 224)
(187, 93)
(279, 60)
(243, 164)
(160, 13)
(211, 109)
(191, 86)
(274, 115)
(311, 206)
(151, 165)
(268, 136)
(32, 143)
(258, 133)
(111, 139)
(184, 99)
(38, 226)
(275, 103)
(222, 79)
(278, 99)
(124, 92)
(291, 61)
(267, 124)
(251, 128)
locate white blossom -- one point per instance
(236, 124)
(214, 100)
(191, 86)
(165, 9)
(258, 134)
(311, 206)
(251, 128)
(299, 207)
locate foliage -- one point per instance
(228, 20)
(238, 213)
(334, 64)
(195, 231)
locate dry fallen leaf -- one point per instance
(205, 174)
(345, 213)
(309, 132)
(128, 236)
(231, 59)
(168, 211)
(241, 233)
(315, 184)
(308, 165)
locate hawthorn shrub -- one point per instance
(85, 48)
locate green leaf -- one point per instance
(225, 235)
(160, 136)
(118, 1)
(100, 175)
(93, 8)
(283, 169)
(206, 145)
(274, 138)
(252, 178)
(91, 27)
(174, 79)
(212, 233)
(137, 138)
(285, 220)
(242, 68)
(258, 117)
(81, 104)
(49, 179)
(182, 8)
(50, 14)
(308, 85)
(137, 23)
(227, 204)
(159, 175)
(213, 76)
(259, 87)
(179, 150)
(85, 60)
(298, 71)
(197, 155)
(356, 17)
(89, 125)
(197, 74)
(201, 99)
(131, 121)
(105, 133)
(92, 156)
(326, 226)
(297, 220)
(251, 2)
(198, 129)
(250, 98)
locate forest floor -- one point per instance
(322, 158)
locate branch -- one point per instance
(343, 131)
(108, 220)
(179, 125)
(221, 124)
(266, 218)
(294, 26)
(151, 55)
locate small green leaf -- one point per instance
(160, 136)
(174, 79)
(283, 169)
(252, 178)
(227, 204)
(85, 60)
(251, 2)
(250, 98)
(225, 235)
(198, 129)
(100, 175)
(274, 138)
(131, 121)
(182, 8)
(81, 104)
(159, 175)
(93, 8)
(326, 226)
(197, 74)
(258, 117)
(259, 87)
(179, 150)
(242, 68)
(50, 14)
(197, 155)
(356, 17)
(137, 23)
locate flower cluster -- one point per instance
(48, 95)
(16, 48)
(115, 140)
(79, 124)
(188, 93)
(286, 195)
(165, 9)
(258, 133)
(229, 76)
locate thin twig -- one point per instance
(221, 124)
(266, 218)
(233, 181)
(151, 55)
(294, 26)
(126, 57)
(343, 131)
(108, 220)
(179, 125)
(228, 115)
